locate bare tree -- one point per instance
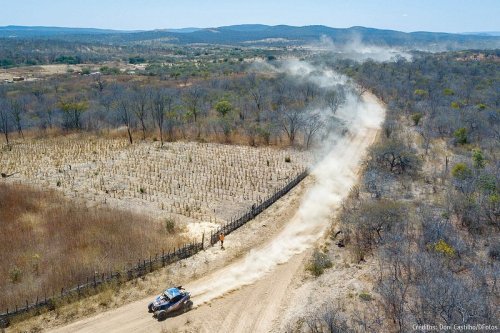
(291, 121)
(312, 125)
(99, 82)
(162, 103)
(193, 99)
(5, 117)
(18, 107)
(257, 92)
(141, 99)
(335, 99)
(124, 107)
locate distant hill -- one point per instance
(13, 31)
(483, 33)
(181, 30)
(257, 34)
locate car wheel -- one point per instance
(150, 307)
(162, 315)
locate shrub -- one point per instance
(105, 298)
(478, 159)
(136, 60)
(420, 92)
(444, 248)
(461, 135)
(170, 226)
(318, 263)
(15, 274)
(448, 92)
(416, 117)
(288, 159)
(394, 156)
(461, 171)
(365, 296)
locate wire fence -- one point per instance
(235, 223)
(94, 283)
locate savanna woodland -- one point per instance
(119, 147)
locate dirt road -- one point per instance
(249, 294)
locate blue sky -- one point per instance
(404, 15)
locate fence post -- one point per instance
(202, 240)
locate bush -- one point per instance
(318, 263)
(444, 248)
(288, 159)
(394, 156)
(420, 92)
(461, 171)
(416, 117)
(481, 106)
(15, 274)
(448, 92)
(478, 159)
(170, 226)
(365, 296)
(461, 135)
(136, 60)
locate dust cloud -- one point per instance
(334, 174)
(355, 49)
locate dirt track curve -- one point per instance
(250, 293)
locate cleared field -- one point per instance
(190, 182)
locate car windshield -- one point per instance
(176, 298)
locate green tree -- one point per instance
(478, 159)
(461, 135)
(223, 108)
(73, 111)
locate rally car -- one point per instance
(171, 300)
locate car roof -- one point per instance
(172, 292)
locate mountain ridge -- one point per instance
(257, 33)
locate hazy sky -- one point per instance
(405, 15)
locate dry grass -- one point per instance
(48, 242)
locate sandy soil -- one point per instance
(254, 292)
